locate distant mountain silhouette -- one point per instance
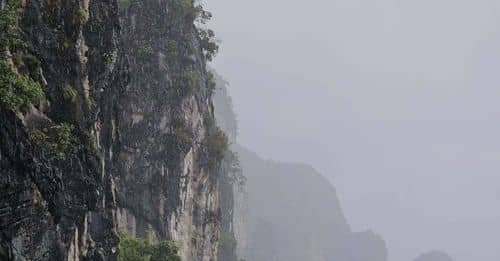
(294, 215)
(288, 211)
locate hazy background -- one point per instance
(397, 102)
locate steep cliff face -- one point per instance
(231, 179)
(163, 177)
(106, 126)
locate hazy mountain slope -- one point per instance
(294, 214)
(288, 211)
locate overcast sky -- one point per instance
(396, 101)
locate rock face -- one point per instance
(434, 256)
(118, 142)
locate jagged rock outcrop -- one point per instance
(434, 256)
(105, 126)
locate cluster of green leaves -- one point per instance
(215, 142)
(69, 93)
(83, 16)
(18, 91)
(208, 43)
(9, 25)
(196, 13)
(135, 249)
(107, 57)
(57, 140)
(186, 8)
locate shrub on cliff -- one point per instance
(18, 91)
(215, 143)
(136, 249)
(57, 140)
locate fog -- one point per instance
(395, 101)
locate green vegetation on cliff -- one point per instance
(216, 143)
(136, 249)
(57, 140)
(17, 91)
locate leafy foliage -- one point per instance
(107, 57)
(83, 16)
(208, 43)
(18, 91)
(57, 139)
(69, 93)
(9, 25)
(136, 249)
(216, 143)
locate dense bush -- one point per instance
(136, 249)
(57, 140)
(18, 91)
(216, 145)
(208, 43)
(69, 93)
(9, 25)
(83, 16)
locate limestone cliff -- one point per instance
(106, 125)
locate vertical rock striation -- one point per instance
(117, 141)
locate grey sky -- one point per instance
(396, 101)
